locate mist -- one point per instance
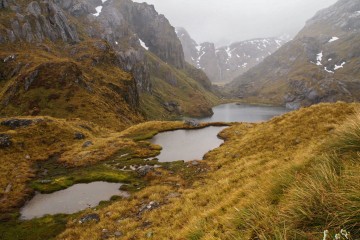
(228, 21)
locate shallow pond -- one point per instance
(187, 145)
(73, 199)
(233, 112)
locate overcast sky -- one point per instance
(223, 21)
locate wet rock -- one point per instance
(79, 136)
(5, 141)
(87, 144)
(89, 218)
(192, 123)
(16, 123)
(144, 170)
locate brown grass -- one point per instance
(240, 197)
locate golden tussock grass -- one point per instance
(253, 190)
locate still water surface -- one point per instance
(187, 145)
(243, 113)
(73, 199)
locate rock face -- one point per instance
(115, 56)
(223, 64)
(320, 65)
(38, 21)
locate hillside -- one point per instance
(115, 63)
(223, 64)
(321, 64)
(289, 178)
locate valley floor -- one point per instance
(289, 178)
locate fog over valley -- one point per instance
(228, 21)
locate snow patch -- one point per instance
(329, 71)
(330, 59)
(98, 11)
(244, 65)
(228, 51)
(103, 1)
(319, 57)
(339, 66)
(198, 48)
(116, 43)
(143, 44)
(333, 39)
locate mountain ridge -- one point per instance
(223, 64)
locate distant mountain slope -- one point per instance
(322, 63)
(111, 62)
(225, 63)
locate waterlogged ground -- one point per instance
(139, 164)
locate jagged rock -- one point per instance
(87, 144)
(30, 79)
(34, 9)
(89, 218)
(148, 207)
(79, 136)
(16, 123)
(10, 58)
(223, 64)
(192, 123)
(5, 141)
(8, 188)
(144, 170)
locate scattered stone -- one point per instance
(108, 214)
(79, 136)
(105, 234)
(16, 123)
(118, 234)
(192, 123)
(89, 218)
(27, 157)
(148, 207)
(144, 170)
(8, 188)
(87, 144)
(195, 163)
(5, 141)
(149, 234)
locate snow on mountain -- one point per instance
(223, 64)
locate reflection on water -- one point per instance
(73, 199)
(243, 113)
(187, 145)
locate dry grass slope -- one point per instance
(267, 181)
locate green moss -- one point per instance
(47, 227)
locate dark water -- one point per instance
(243, 113)
(187, 145)
(73, 199)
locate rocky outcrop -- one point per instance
(38, 21)
(321, 64)
(223, 64)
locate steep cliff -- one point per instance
(223, 64)
(320, 65)
(78, 58)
